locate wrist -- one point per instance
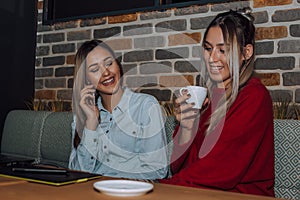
(91, 124)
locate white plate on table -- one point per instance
(123, 187)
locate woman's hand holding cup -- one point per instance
(188, 105)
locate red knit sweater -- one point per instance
(242, 158)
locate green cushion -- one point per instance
(56, 139)
(287, 158)
(21, 133)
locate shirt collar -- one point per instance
(123, 105)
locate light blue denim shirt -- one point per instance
(130, 142)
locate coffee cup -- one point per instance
(197, 95)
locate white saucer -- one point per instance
(123, 187)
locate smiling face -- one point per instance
(102, 71)
(215, 57)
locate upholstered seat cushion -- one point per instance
(287, 158)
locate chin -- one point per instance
(109, 91)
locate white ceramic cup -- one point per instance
(198, 95)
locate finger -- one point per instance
(191, 114)
(85, 91)
(181, 99)
(186, 107)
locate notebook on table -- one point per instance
(37, 174)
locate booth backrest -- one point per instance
(42, 135)
(46, 137)
(287, 158)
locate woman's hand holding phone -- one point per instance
(88, 105)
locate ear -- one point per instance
(248, 51)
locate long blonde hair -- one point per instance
(238, 31)
(80, 81)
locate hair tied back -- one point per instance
(246, 12)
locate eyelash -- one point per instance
(106, 65)
(209, 49)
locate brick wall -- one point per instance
(159, 51)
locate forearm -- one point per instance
(84, 156)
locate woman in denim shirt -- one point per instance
(116, 132)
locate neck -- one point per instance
(110, 101)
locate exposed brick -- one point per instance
(55, 83)
(197, 51)
(70, 82)
(172, 25)
(271, 32)
(176, 80)
(120, 44)
(107, 32)
(289, 46)
(43, 28)
(160, 95)
(63, 48)
(135, 56)
(286, 15)
(149, 42)
(270, 79)
(295, 30)
(231, 5)
(186, 66)
(148, 64)
(64, 71)
(53, 37)
(64, 94)
(284, 63)
(201, 22)
(38, 83)
(141, 81)
(39, 39)
(93, 22)
(44, 94)
(184, 39)
(129, 69)
(155, 15)
(138, 29)
(38, 62)
(119, 56)
(122, 18)
(281, 95)
(44, 72)
(195, 9)
(291, 78)
(70, 59)
(263, 3)
(260, 17)
(264, 48)
(42, 50)
(79, 35)
(156, 68)
(182, 52)
(65, 25)
(57, 60)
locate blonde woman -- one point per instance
(116, 132)
(228, 145)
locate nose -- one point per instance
(214, 56)
(105, 71)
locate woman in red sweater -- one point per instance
(229, 145)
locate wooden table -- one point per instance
(13, 189)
